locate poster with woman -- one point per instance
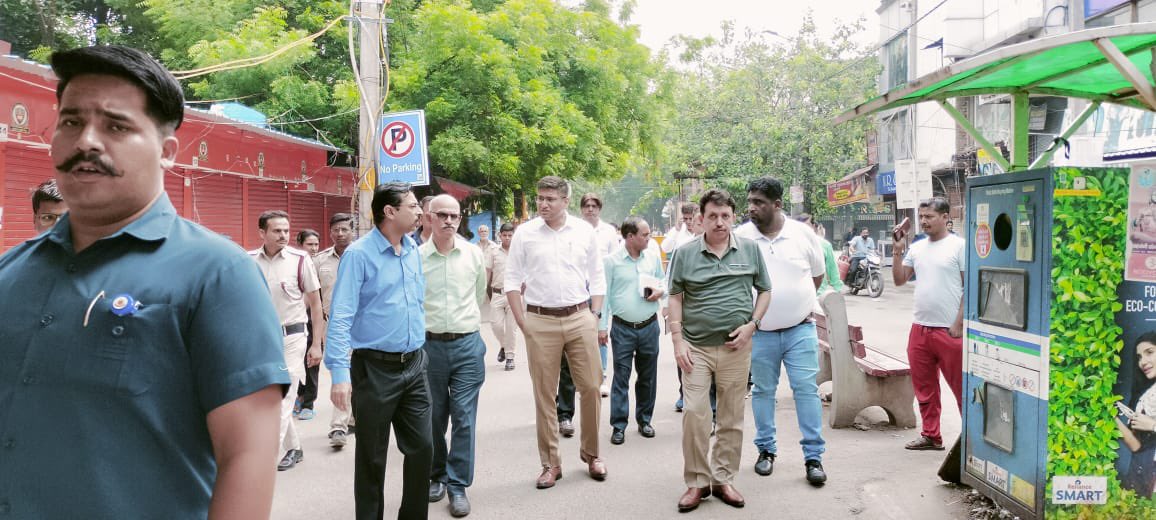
(1136, 420)
(1140, 259)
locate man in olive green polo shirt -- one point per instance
(713, 314)
(455, 288)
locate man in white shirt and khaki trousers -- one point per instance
(556, 258)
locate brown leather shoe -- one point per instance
(692, 498)
(597, 467)
(729, 495)
(549, 475)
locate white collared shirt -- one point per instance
(609, 240)
(793, 259)
(559, 268)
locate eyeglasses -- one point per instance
(49, 219)
(447, 216)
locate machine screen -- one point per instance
(1003, 297)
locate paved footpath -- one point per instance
(871, 475)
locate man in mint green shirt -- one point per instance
(455, 288)
(634, 287)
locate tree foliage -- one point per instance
(750, 106)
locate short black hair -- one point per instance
(305, 234)
(770, 187)
(554, 182)
(165, 99)
(937, 204)
(45, 192)
(268, 215)
(506, 226)
(388, 194)
(630, 225)
(688, 208)
(716, 196)
(338, 218)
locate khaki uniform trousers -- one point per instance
(295, 345)
(502, 323)
(547, 338)
(730, 369)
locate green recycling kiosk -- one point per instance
(1059, 383)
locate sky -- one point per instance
(659, 20)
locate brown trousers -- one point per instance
(547, 338)
(730, 369)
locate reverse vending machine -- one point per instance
(1060, 294)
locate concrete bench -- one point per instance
(860, 376)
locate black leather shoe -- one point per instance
(766, 463)
(459, 505)
(566, 428)
(291, 459)
(618, 436)
(437, 491)
(815, 474)
(646, 430)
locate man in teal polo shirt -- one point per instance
(713, 314)
(143, 370)
(633, 290)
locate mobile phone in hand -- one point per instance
(1124, 410)
(901, 230)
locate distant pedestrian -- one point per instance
(47, 206)
(455, 288)
(831, 279)
(634, 288)
(501, 316)
(143, 366)
(378, 313)
(786, 336)
(484, 241)
(328, 262)
(555, 257)
(309, 241)
(713, 314)
(935, 344)
(689, 228)
(293, 286)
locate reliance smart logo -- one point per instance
(1079, 490)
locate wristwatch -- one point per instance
(598, 314)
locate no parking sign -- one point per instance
(401, 151)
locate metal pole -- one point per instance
(1046, 157)
(1020, 118)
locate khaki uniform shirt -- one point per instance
(281, 276)
(326, 262)
(496, 263)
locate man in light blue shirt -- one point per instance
(860, 246)
(633, 290)
(377, 313)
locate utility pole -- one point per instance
(369, 24)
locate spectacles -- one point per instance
(49, 219)
(447, 216)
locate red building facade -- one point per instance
(227, 172)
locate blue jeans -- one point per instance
(797, 348)
(456, 372)
(640, 348)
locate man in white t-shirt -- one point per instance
(786, 335)
(934, 344)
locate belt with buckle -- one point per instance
(636, 325)
(784, 329)
(293, 328)
(445, 336)
(496, 290)
(389, 357)
(560, 312)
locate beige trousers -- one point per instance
(295, 346)
(730, 369)
(502, 323)
(547, 338)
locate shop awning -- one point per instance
(1103, 65)
(459, 190)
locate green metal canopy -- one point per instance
(1103, 65)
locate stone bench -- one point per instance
(860, 376)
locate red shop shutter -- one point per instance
(307, 210)
(263, 195)
(175, 187)
(25, 168)
(217, 205)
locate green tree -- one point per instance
(750, 108)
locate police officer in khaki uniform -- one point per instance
(293, 284)
(341, 231)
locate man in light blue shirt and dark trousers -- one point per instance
(633, 289)
(377, 313)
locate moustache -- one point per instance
(99, 163)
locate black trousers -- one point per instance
(307, 391)
(391, 394)
(566, 389)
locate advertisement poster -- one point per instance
(846, 192)
(1140, 259)
(1136, 384)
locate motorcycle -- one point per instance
(869, 277)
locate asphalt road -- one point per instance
(871, 475)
